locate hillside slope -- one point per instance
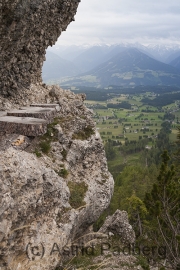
(91, 58)
(129, 68)
(176, 63)
(56, 67)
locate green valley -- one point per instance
(134, 131)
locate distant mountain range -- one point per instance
(95, 56)
(55, 68)
(123, 65)
(163, 53)
(176, 63)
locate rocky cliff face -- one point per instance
(27, 28)
(52, 187)
(51, 198)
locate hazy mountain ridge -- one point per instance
(163, 53)
(90, 58)
(129, 68)
(56, 67)
(90, 65)
(176, 63)
(173, 56)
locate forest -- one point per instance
(162, 100)
(123, 104)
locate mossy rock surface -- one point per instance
(78, 192)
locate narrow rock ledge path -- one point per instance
(28, 121)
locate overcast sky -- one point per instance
(117, 21)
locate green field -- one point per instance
(133, 124)
(121, 124)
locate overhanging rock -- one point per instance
(27, 28)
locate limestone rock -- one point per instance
(38, 213)
(23, 125)
(118, 224)
(27, 28)
(37, 210)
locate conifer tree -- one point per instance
(163, 204)
(137, 213)
(176, 155)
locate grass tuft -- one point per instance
(83, 134)
(78, 192)
(38, 154)
(63, 173)
(45, 146)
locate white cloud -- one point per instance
(116, 21)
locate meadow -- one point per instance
(141, 121)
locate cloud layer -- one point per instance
(117, 21)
